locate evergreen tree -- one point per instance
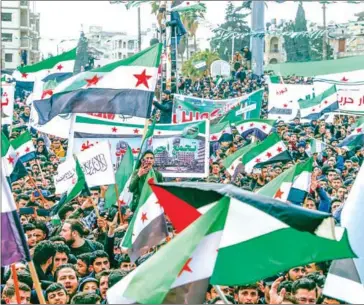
(82, 56)
(289, 45)
(234, 22)
(302, 43)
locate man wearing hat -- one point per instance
(165, 108)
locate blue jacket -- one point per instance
(325, 201)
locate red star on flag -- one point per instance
(313, 110)
(24, 75)
(359, 129)
(257, 160)
(344, 79)
(27, 149)
(92, 81)
(279, 194)
(326, 102)
(159, 132)
(232, 167)
(285, 105)
(279, 149)
(269, 154)
(242, 128)
(59, 67)
(73, 180)
(121, 202)
(10, 159)
(214, 138)
(114, 129)
(144, 217)
(186, 267)
(136, 131)
(46, 92)
(142, 79)
(264, 127)
(251, 124)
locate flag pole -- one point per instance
(37, 189)
(121, 218)
(16, 283)
(221, 294)
(41, 172)
(36, 282)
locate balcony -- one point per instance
(274, 50)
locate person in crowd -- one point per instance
(67, 276)
(56, 294)
(9, 295)
(164, 109)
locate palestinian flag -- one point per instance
(271, 150)
(124, 87)
(51, 68)
(356, 138)
(189, 6)
(24, 147)
(210, 250)
(148, 226)
(325, 102)
(217, 130)
(293, 185)
(232, 162)
(78, 184)
(12, 166)
(256, 127)
(122, 178)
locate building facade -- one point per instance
(20, 26)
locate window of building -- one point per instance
(6, 17)
(130, 44)
(119, 55)
(124, 44)
(120, 44)
(8, 57)
(7, 37)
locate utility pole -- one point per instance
(324, 38)
(257, 43)
(139, 31)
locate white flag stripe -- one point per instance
(319, 107)
(302, 181)
(66, 172)
(285, 189)
(239, 213)
(25, 148)
(264, 127)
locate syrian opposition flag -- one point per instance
(51, 68)
(345, 280)
(232, 162)
(217, 130)
(14, 247)
(148, 226)
(122, 179)
(189, 6)
(356, 138)
(271, 150)
(292, 185)
(24, 147)
(78, 184)
(12, 166)
(315, 146)
(314, 108)
(257, 127)
(237, 224)
(124, 87)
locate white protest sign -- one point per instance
(7, 103)
(66, 172)
(97, 165)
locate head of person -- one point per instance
(335, 204)
(41, 231)
(304, 290)
(331, 175)
(126, 264)
(29, 230)
(83, 264)
(95, 193)
(23, 277)
(9, 295)
(147, 159)
(57, 240)
(116, 276)
(56, 143)
(27, 110)
(310, 203)
(22, 201)
(73, 231)
(61, 257)
(44, 253)
(166, 95)
(296, 273)
(89, 285)
(67, 276)
(247, 294)
(86, 298)
(336, 183)
(99, 261)
(103, 278)
(215, 168)
(56, 294)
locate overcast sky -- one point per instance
(63, 19)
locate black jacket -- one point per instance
(165, 108)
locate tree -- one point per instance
(235, 26)
(188, 68)
(302, 43)
(82, 58)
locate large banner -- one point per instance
(350, 88)
(284, 100)
(7, 103)
(190, 109)
(181, 150)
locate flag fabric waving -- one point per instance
(292, 185)
(314, 108)
(12, 236)
(217, 130)
(356, 138)
(148, 226)
(24, 147)
(210, 249)
(271, 150)
(257, 127)
(232, 162)
(123, 87)
(189, 6)
(78, 184)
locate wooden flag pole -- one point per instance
(36, 282)
(37, 189)
(121, 218)
(41, 172)
(16, 283)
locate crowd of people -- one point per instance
(77, 253)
